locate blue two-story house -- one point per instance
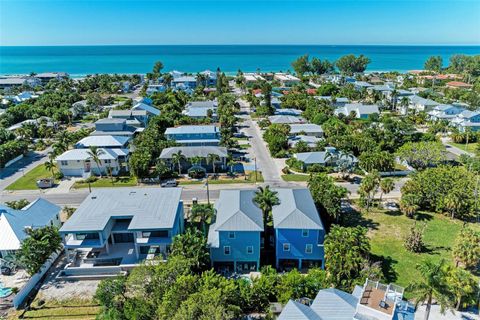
(123, 226)
(299, 232)
(194, 135)
(467, 120)
(234, 237)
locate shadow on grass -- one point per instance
(394, 213)
(353, 218)
(420, 216)
(387, 267)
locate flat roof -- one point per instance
(192, 129)
(149, 208)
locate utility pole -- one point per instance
(208, 191)
(255, 169)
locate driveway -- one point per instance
(18, 169)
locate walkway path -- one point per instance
(455, 150)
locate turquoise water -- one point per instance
(82, 60)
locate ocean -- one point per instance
(82, 60)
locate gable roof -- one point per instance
(150, 208)
(103, 141)
(13, 222)
(190, 152)
(285, 119)
(305, 127)
(146, 107)
(236, 211)
(297, 311)
(296, 210)
(334, 304)
(83, 154)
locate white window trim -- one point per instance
(229, 250)
(284, 247)
(308, 245)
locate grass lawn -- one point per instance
(244, 146)
(70, 309)
(29, 180)
(227, 180)
(387, 231)
(295, 177)
(470, 148)
(106, 182)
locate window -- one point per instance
(87, 236)
(308, 248)
(231, 235)
(107, 161)
(226, 250)
(64, 163)
(155, 234)
(304, 233)
(250, 249)
(286, 247)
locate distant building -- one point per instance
(286, 119)
(458, 85)
(306, 129)
(45, 77)
(151, 111)
(208, 135)
(114, 127)
(134, 118)
(11, 82)
(445, 112)
(361, 111)
(420, 104)
(14, 224)
(334, 101)
(103, 142)
(201, 109)
(329, 157)
(286, 79)
(467, 120)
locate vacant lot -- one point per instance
(67, 309)
(107, 182)
(387, 231)
(29, 180)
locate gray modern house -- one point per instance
(120, 227)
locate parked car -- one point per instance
(169, 183)
(45, 183)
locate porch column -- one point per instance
(234, 266)
(299, 264)
(113, 238)
(135, 246)
(107, 247)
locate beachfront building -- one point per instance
(286, 80)
(299, 232)
(251, 78)
(185, 83)
(373, 300)
(19, 98)
(234, 237)
(15, 224)
(45, 77)
(362, 85)
(200, 154)
(306, 129)
(458, 85)
(6, 83)
(210, 78)
(208, 135)
(361, 111)
(120, 227)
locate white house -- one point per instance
(467, 119)
(286, 79)
(445, 112)
(362, 111)
(80, 163)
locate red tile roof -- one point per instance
(458, 84)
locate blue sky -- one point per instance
(71, 22)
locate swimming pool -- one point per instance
(4, 292)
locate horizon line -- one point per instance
(250, 44)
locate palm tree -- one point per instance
(404, 102)
(431, 285)
(386, 186)
(50, 166)
(167, 79)
(178, 158)
(231, 163)
(95, 153)
(463, 285)
(197, 160)
(266, 199)
(203, 213)
(212, 158)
